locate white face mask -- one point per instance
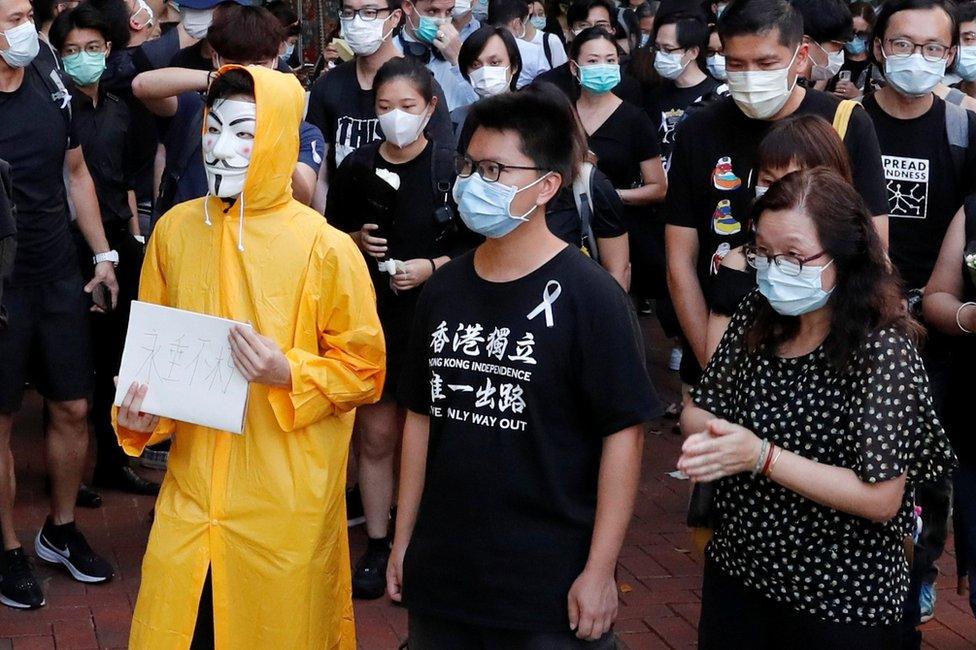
(760, 94)
(228, 144)
(490, 80)
(136, 20)
(461, 7)
(913, 75)
(196, 22)
(364, 36)
(835, 60)
(669, 65)
(716, 66)
(402, 128)
(22, 45)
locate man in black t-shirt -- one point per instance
(47, 335)
(712, 176)
(527, 394)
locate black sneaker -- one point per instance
(369, 578)
(66, 545)
(19, 586)
(355, 514)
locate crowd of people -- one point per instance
(441, 245)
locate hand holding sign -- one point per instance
(259, 358)
(130, 413)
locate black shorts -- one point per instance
(47, 342)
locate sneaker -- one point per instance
(369, 578)
(355, 515)
(66, 545)
(19, 586)
(926, 602)
(674, 361)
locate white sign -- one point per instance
(185, 359)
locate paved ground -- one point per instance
(659, 578)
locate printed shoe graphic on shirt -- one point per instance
(723, 177)
(723, 223)
(720, 253)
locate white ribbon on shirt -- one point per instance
(549, 296)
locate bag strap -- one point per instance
(842, 116)
(441, 173)
(955, 96)
(547, 48)
(583, 197)
(957, 133)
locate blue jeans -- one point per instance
(964, 521)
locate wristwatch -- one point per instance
(111, 256)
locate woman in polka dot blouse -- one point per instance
(814, 420)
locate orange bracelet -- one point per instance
(769, 473)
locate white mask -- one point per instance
(835, 61)
(135, 22)
(196, 22)
(668, 64)
(22, 45)
(490, 80)
(716, 66)
(228, 144)
(760, 94)
(913, 75)
(364, 36)
(402, 128)
(461, 7)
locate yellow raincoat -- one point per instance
(265, 510)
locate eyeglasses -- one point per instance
(787, 263)
(584, 25)
(902, 47)
(668, 50)
(91, 48)
(864, 35)
(489, 170)
(368, 13)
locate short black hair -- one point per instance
(474, 45)
(245, 33)
(580, 9)
(502, 12)
(891, 7)
(116, 14)
(691, 30)
(236, 81)
(44, 10)
(587, 35)
(965, 13)
(410, 69)
(865, 11)
(84, 16)
(286, 16)
(826, 20)
(542, 116)
(750, 17)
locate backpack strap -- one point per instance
(955, 96)
(442, 173)
(547, 48)
(842, 116)
(957, 133)
(583, 197)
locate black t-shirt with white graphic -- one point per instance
(522, 380)
(35, 133)
(346, 114)
(666, 104)
(711, 183)
(924, 190)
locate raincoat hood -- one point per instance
(280, 103)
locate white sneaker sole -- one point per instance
(355, 521)
(13, 603)
(53, 557)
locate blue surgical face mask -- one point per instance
(913, 75)
(289, 50)
(599, 78)
(856, 46)
(480, 10)
(485, 208)
(966, 62)
(427, 30)
(85, 68)
(539, 22)
(791, 295)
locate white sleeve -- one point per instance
(556, 50)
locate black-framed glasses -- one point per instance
(489, 170)
(367, 13)
(91, 48)
(902, 48)
(787, 263)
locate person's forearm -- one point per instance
(321, 185)
(168, 82)
(303, 181)
(87, 212)
(615, 258)
(689, 305)
(881, 226)
(413, 469)
(693, 419)
(941, 308)
(717, 324)
(620, 465)
(839, 488)
(644, 195)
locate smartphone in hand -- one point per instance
(102, 297)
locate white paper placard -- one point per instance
(185, 359)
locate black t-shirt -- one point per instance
(629, 89)
(192, 57)
(106, 137)
(622, 143)
(666, 104)
(346, 114)
(860, 75)
(712, 177)
(522, 381)
(563, 218)
(35, 132)
(959, 380)
(924, 190)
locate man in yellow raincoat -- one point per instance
(263, 513)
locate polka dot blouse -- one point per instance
(875, 418)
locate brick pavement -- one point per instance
(659, 578)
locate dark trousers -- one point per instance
(735, 616)
(964, 520)
(433, 633)
(203, 633)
